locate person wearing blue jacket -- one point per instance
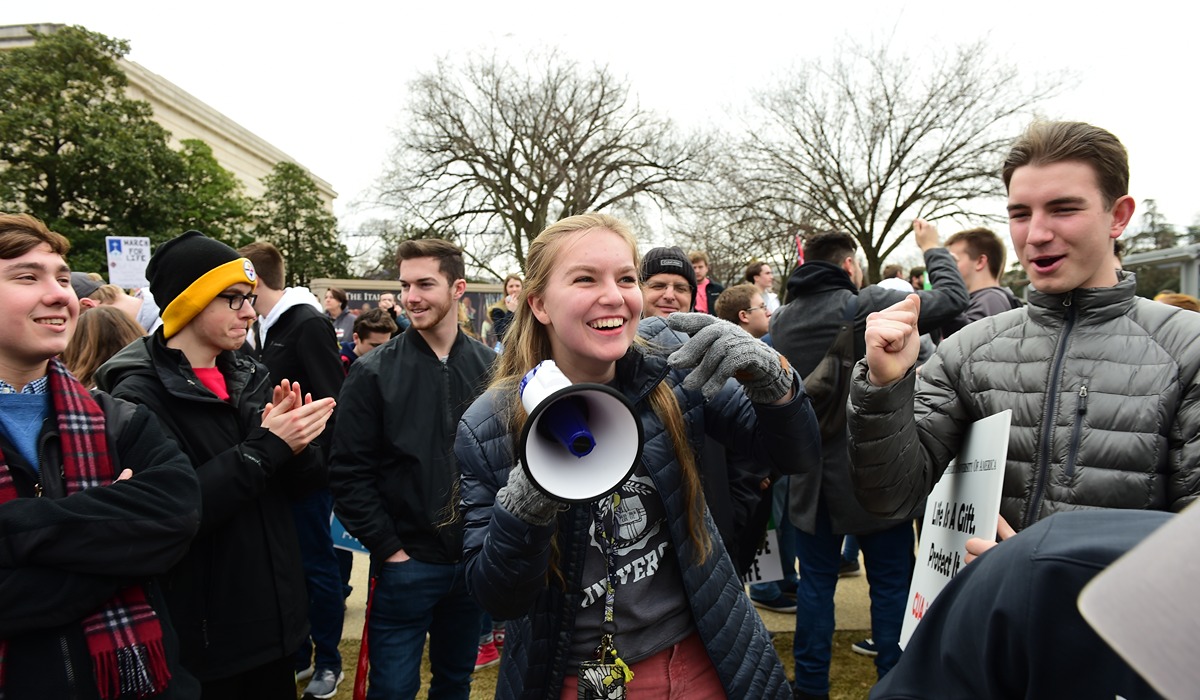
(642, 573)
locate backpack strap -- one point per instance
(851, 309)
(828, 384)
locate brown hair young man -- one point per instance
(1103, 384)
(393, 475)
(296, 341)
(980, 257)
(95, 504)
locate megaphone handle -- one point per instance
(524, 500)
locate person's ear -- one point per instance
(88, 303)
(459, 288)
(538, 307)
(1122, 210)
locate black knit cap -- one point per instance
(671, 260)
(188, 271)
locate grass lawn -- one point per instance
(852, 675)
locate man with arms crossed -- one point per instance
(95, 503)
(393, 475)
(1103, 384)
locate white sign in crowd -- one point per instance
(127, 260)
(965, 503)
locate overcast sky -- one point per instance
(327, 82)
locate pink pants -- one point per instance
(680, 672)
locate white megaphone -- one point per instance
(581, 441)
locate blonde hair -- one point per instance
(100, 333)
(464, 320)
(107, 293)
(528, 344)
(1183, 301)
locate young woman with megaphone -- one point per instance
(632, 594)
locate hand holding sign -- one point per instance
(977, 545)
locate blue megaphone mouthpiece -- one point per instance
(566, 424)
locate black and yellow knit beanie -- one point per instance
(189, 271)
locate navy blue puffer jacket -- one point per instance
(507, 559)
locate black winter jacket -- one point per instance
(508, 559)
(392, 470)
(238, 599)
(1008, 625)
(62, 557)
(804, 328)
(302, 347)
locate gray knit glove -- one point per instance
(719, 350)
(521, 498)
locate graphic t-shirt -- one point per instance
(651, 611)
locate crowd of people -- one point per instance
(170, 460)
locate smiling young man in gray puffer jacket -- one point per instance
(1103, 384)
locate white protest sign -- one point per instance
(965, 503)
(127, 259)
(766, 566)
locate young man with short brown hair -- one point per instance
(394, 476)
(96, 502)
(1103, 384)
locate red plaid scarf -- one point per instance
(124, 637)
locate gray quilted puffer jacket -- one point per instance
(1106, 408)
(507, 559)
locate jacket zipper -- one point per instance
(68, 667)
(1043, 465)
(1077, 433)
(446, 387)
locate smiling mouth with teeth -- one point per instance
(607, 323)
(52, 321)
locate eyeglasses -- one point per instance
(680, 289)
(756, 308)
(237, 300)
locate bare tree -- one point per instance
(870, 140)
(736, 222)
(493, 152)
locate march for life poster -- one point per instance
(965, 503)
